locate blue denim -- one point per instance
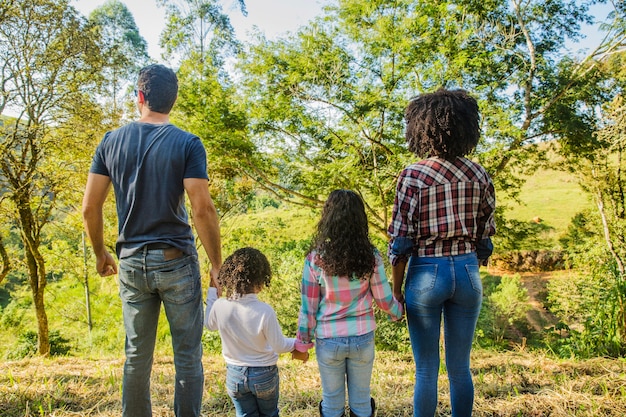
(450, 286)
(146, 281)
(253, 389)
(346, 361)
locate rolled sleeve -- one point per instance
(401, 229)
(400, 249)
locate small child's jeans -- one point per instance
(253, 389)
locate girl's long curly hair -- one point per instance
(244, 272)
(445, 124)
(342, 240)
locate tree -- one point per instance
(198, 29)
(50, 60)
(601, 171)
(208, 103)
(123, 49)
(327, 103)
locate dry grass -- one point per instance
(507, 384)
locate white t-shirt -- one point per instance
(249, 329)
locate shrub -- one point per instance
(504, 306)
(27, 345)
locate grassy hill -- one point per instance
(553, 196)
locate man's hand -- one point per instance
(213, 273)
(105, 265)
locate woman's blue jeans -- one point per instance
(146, 281)
(253, 389)
(448, 286)
(346, 361)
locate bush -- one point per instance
(504, 307)
(27, 345)
(590, 307)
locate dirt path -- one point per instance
(538, 316)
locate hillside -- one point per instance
(515, 383)
(553, 197)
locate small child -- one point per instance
(250, 332)
(343, 277)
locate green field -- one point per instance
(552, 196)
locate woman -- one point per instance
(443, 207)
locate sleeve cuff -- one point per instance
(303, 347)
(400, 248)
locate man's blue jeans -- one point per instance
(147, 279)
(450, 286)
(341, 361)
(253, 389)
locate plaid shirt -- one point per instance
(441, 208)
(334, 306)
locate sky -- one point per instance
(272, 17)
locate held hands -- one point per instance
(301, 351)
(399, 296)
(302, 356)
(214, 282)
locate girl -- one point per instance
(251, 335)
(343, 276)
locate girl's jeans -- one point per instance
(450, 286)
(253, 389)
(341, 361)
(147, 279)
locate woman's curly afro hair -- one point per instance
(444, 124)
(244, 272)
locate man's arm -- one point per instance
(206, 221)
(96, 193)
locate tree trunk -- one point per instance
(607, 232)
(36, 276)
(6, 262)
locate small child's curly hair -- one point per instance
(444, 124)
(244, 272)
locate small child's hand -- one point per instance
(303, 356)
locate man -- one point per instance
(151, 164)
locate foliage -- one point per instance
(505, 304)
(589, 305)
(122, 48)
(197, 28)
(600, 170)
(27, 345)
(327, 102)
(50, 62)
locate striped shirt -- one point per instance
(441, 208)
(334, 306)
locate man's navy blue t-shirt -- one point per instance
(147, 164)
